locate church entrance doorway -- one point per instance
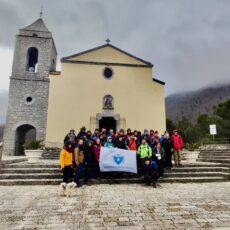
(108, 123)
(23, 134)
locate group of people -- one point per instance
(81, 152)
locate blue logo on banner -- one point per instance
(118, 159)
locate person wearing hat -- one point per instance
(150, 172)
(71, 137)
(178, 144)
(82, 133)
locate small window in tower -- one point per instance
(32, 59)
(34, 35)
(28, 99)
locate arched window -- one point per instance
(32, 59)
(108, 102)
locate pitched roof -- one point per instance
(38, 25)
(103, 46)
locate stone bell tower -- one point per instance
(34, 57)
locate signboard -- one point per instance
(117, 160)
(212, 129)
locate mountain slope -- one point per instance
(192, 104)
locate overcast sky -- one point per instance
(188, 41)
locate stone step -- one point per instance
(42, 165)
(196, 174)
(203, 164)
(12, 161)
(16, 166)
(59, 175)
(50, 157)
(29, 170)
(216, 155)
(193, 179)
(114, 181)
(213, 160)
(31, 176)
(200, 169)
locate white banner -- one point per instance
(117, 160)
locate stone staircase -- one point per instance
(48, 173)
(215, 156)
(213, 165)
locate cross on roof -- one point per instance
(41, 12)
(107, 40)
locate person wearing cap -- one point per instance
(111, 134)
(151, 172)
(66, 162)
(95, 134)
(178, 144)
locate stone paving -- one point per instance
(133, 206)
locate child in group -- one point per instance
(66, 162)
(151, 172)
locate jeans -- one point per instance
(78, 170)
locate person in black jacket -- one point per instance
(89, 160)
(168, 147)
(70, 137)
(121, 143)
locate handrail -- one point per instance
(218, 140)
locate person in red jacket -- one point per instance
(132, 140)
(96, 151)
(178, 144)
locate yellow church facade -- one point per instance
(104, 87)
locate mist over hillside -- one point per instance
(3, 106)
(191, 104)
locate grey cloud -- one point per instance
(187, 41)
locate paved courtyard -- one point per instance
(119, 206)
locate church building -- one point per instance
(103, 87)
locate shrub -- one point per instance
(191, 146)
(34, 144)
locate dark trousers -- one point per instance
(168, 160)
(97, 170)
(77, 171)
(151, 176)
(88, 171)
(161, 167)
(67, 174)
